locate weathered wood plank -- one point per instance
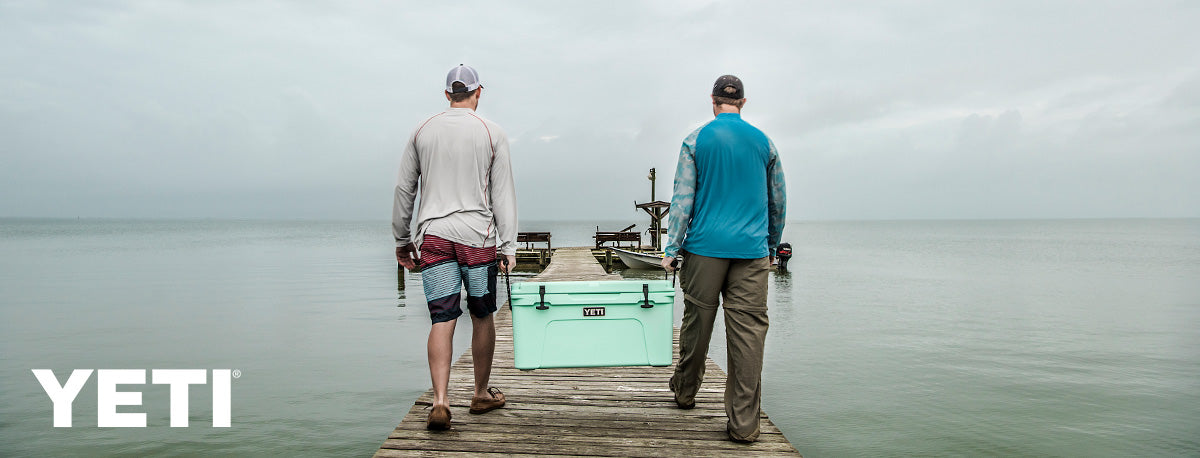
(462, 397)
(600, 439)
(577, 449)
(578, 431)
(599, 408)
(393, 453)
(701, 428)
(574, 264)
(705, 426)
(605, 411)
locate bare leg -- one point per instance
(441, 349)
(483, 346)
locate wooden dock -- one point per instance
(617, 411)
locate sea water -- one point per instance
(929, 338)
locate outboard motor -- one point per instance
(784, 253)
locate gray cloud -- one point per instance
(257, 109)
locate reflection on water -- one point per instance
(400, 286)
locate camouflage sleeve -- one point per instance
(776, 200)
(683, 197)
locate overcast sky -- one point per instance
(880, 110)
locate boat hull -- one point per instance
(635, 260)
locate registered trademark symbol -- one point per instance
(237, 373)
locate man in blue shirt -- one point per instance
(727, 216)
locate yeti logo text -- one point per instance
(108, 398)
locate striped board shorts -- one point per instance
(448, 266)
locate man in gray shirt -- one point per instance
(468, 213)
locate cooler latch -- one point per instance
(646, 296)
(542, 298)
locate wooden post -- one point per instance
(652, 184)
(654, 229)
(399, 277)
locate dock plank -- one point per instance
(603, 411)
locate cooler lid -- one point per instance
(614, 286)
(617, 292)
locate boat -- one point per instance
(635, 260)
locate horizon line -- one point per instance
(575, 220)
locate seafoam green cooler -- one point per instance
(592, 323)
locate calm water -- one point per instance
(1038, 338)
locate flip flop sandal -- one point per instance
(481, 405)
(439, 419)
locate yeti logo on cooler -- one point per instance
(593, 311)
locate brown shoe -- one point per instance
(681, 405)
(734, 437)
(484, 405)
(439, 419)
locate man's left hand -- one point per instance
(668, 263)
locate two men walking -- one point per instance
(727, 215)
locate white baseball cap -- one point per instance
(462, 74)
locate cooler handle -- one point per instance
(542, 298)
(646, 296)
(674, 270)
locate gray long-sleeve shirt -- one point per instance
(461, 162)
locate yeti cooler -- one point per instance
(592, 323)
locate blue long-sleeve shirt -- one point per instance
(729, 200)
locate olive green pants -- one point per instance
(742, 284)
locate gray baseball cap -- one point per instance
(462, 74)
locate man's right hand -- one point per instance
(407, 256)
